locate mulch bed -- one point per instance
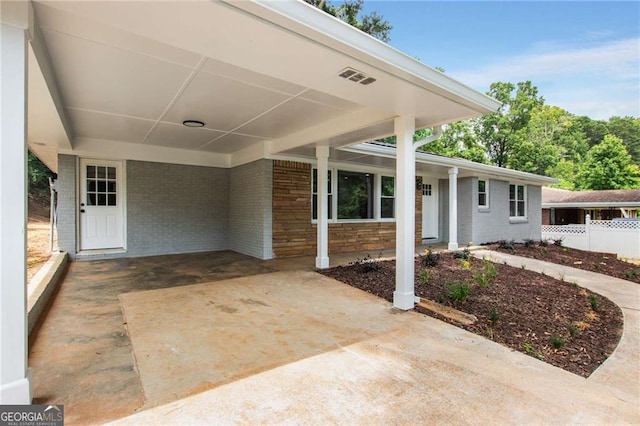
(602, 263)
(558, 322)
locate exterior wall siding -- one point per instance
(174, 208)
(250, 199)
(493, 224)
(67, 209)
(293, 232)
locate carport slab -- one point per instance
(298, 347)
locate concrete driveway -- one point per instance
(297, 347)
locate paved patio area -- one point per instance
(291, 346)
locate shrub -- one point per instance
(528, 242)
(425, 276)
(462, 254)
(429, 258)
(367, 264)
(543, 243)
(458, 292)
(506, 245)
(593, 300)
(558, 242)
(494, 316)
(557, 341)
(632, 273)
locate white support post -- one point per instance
(14, 378)
(404, 297)
(453, 209)
(322, 258)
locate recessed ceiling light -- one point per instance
(193, 123)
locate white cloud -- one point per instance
(598, 80)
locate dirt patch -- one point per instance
(602, 263)
(38, 231)
(557, 322)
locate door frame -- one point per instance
(123, 185)
(435, 191)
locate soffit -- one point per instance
(133, 71)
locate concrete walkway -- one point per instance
(403, 367)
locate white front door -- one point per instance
(101, 205)
(429, 208)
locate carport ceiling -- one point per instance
(132, 72)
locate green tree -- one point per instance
(627, 129)
(457, 140)
(351, 12)
(37, 174)
(608, 166)
(502, 130)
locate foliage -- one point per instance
(557, 341)
(501, 131)
(608, 166)
(558, 242)
(458, 291)
(494, 316)
(38, 174)
(425, 276)
(367, 264)
(529, 242)
(506, 245)
(593, 300)
(351, 12)
(462, 254)
(632, 273)
(429, 258)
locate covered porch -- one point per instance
(101, 85)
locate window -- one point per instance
(360, 196)
(483, 194)
(355, 195)
(426, 189)
(101, 186)
(314, 198)
(517, 203)
(387, 197)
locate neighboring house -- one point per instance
(563, 207)
(193, 126)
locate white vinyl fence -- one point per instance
(620, 237)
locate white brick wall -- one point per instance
(67, 209)
(174, 208)
(250, 196)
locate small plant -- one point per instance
(489, 332)
(596, 266)
(528, 242)
(425, 276)
(558, 242)
(506, 245)
(494, 316)
(429, 258)
(545, 250)
(466, 264)
(458, 291)
(528, 349)
(367, 264)
(573, 330)
(543, 243)
(540, 356)
(481, 278)
(523, 266)
(490, 269)
(632, 273)
(562, 277)
(462, 254)
(593, 300)
(557, 341)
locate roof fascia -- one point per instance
(317, 25)
(596, 205)
(455, 162)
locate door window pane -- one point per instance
(101, 186)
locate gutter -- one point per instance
(437, 133)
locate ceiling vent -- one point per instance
(356, 76)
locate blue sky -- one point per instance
(583, 56)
